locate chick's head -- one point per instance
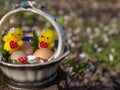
(47, 36)
(15, 34)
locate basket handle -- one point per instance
(49, 17)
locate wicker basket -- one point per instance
(33, 75)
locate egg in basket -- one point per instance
(34, 62)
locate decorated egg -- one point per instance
(27, 47)
(43, 53)
(19, 56)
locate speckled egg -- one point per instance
(17, 55)
(43, 53)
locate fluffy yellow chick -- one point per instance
(13, 40)
(47, 39)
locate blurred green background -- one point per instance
(92, 29)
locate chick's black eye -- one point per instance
(18, 34)
(12, 34)
(41, 36)
(47, 37)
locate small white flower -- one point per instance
(96, 29)
(77, 30)
(106, 28)
(73, 44)
(69, 41)
(111, 57)
(95, 46)
(66, 17)
(106, 39)
(112, 49)
(88, 30)
(99, 49)
(83, 56)
(91, 37)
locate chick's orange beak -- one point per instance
(15, 35)
(44, 37)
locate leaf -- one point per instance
(35, 40)
(5, 54)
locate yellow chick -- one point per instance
(13, 40)
(47, 39)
